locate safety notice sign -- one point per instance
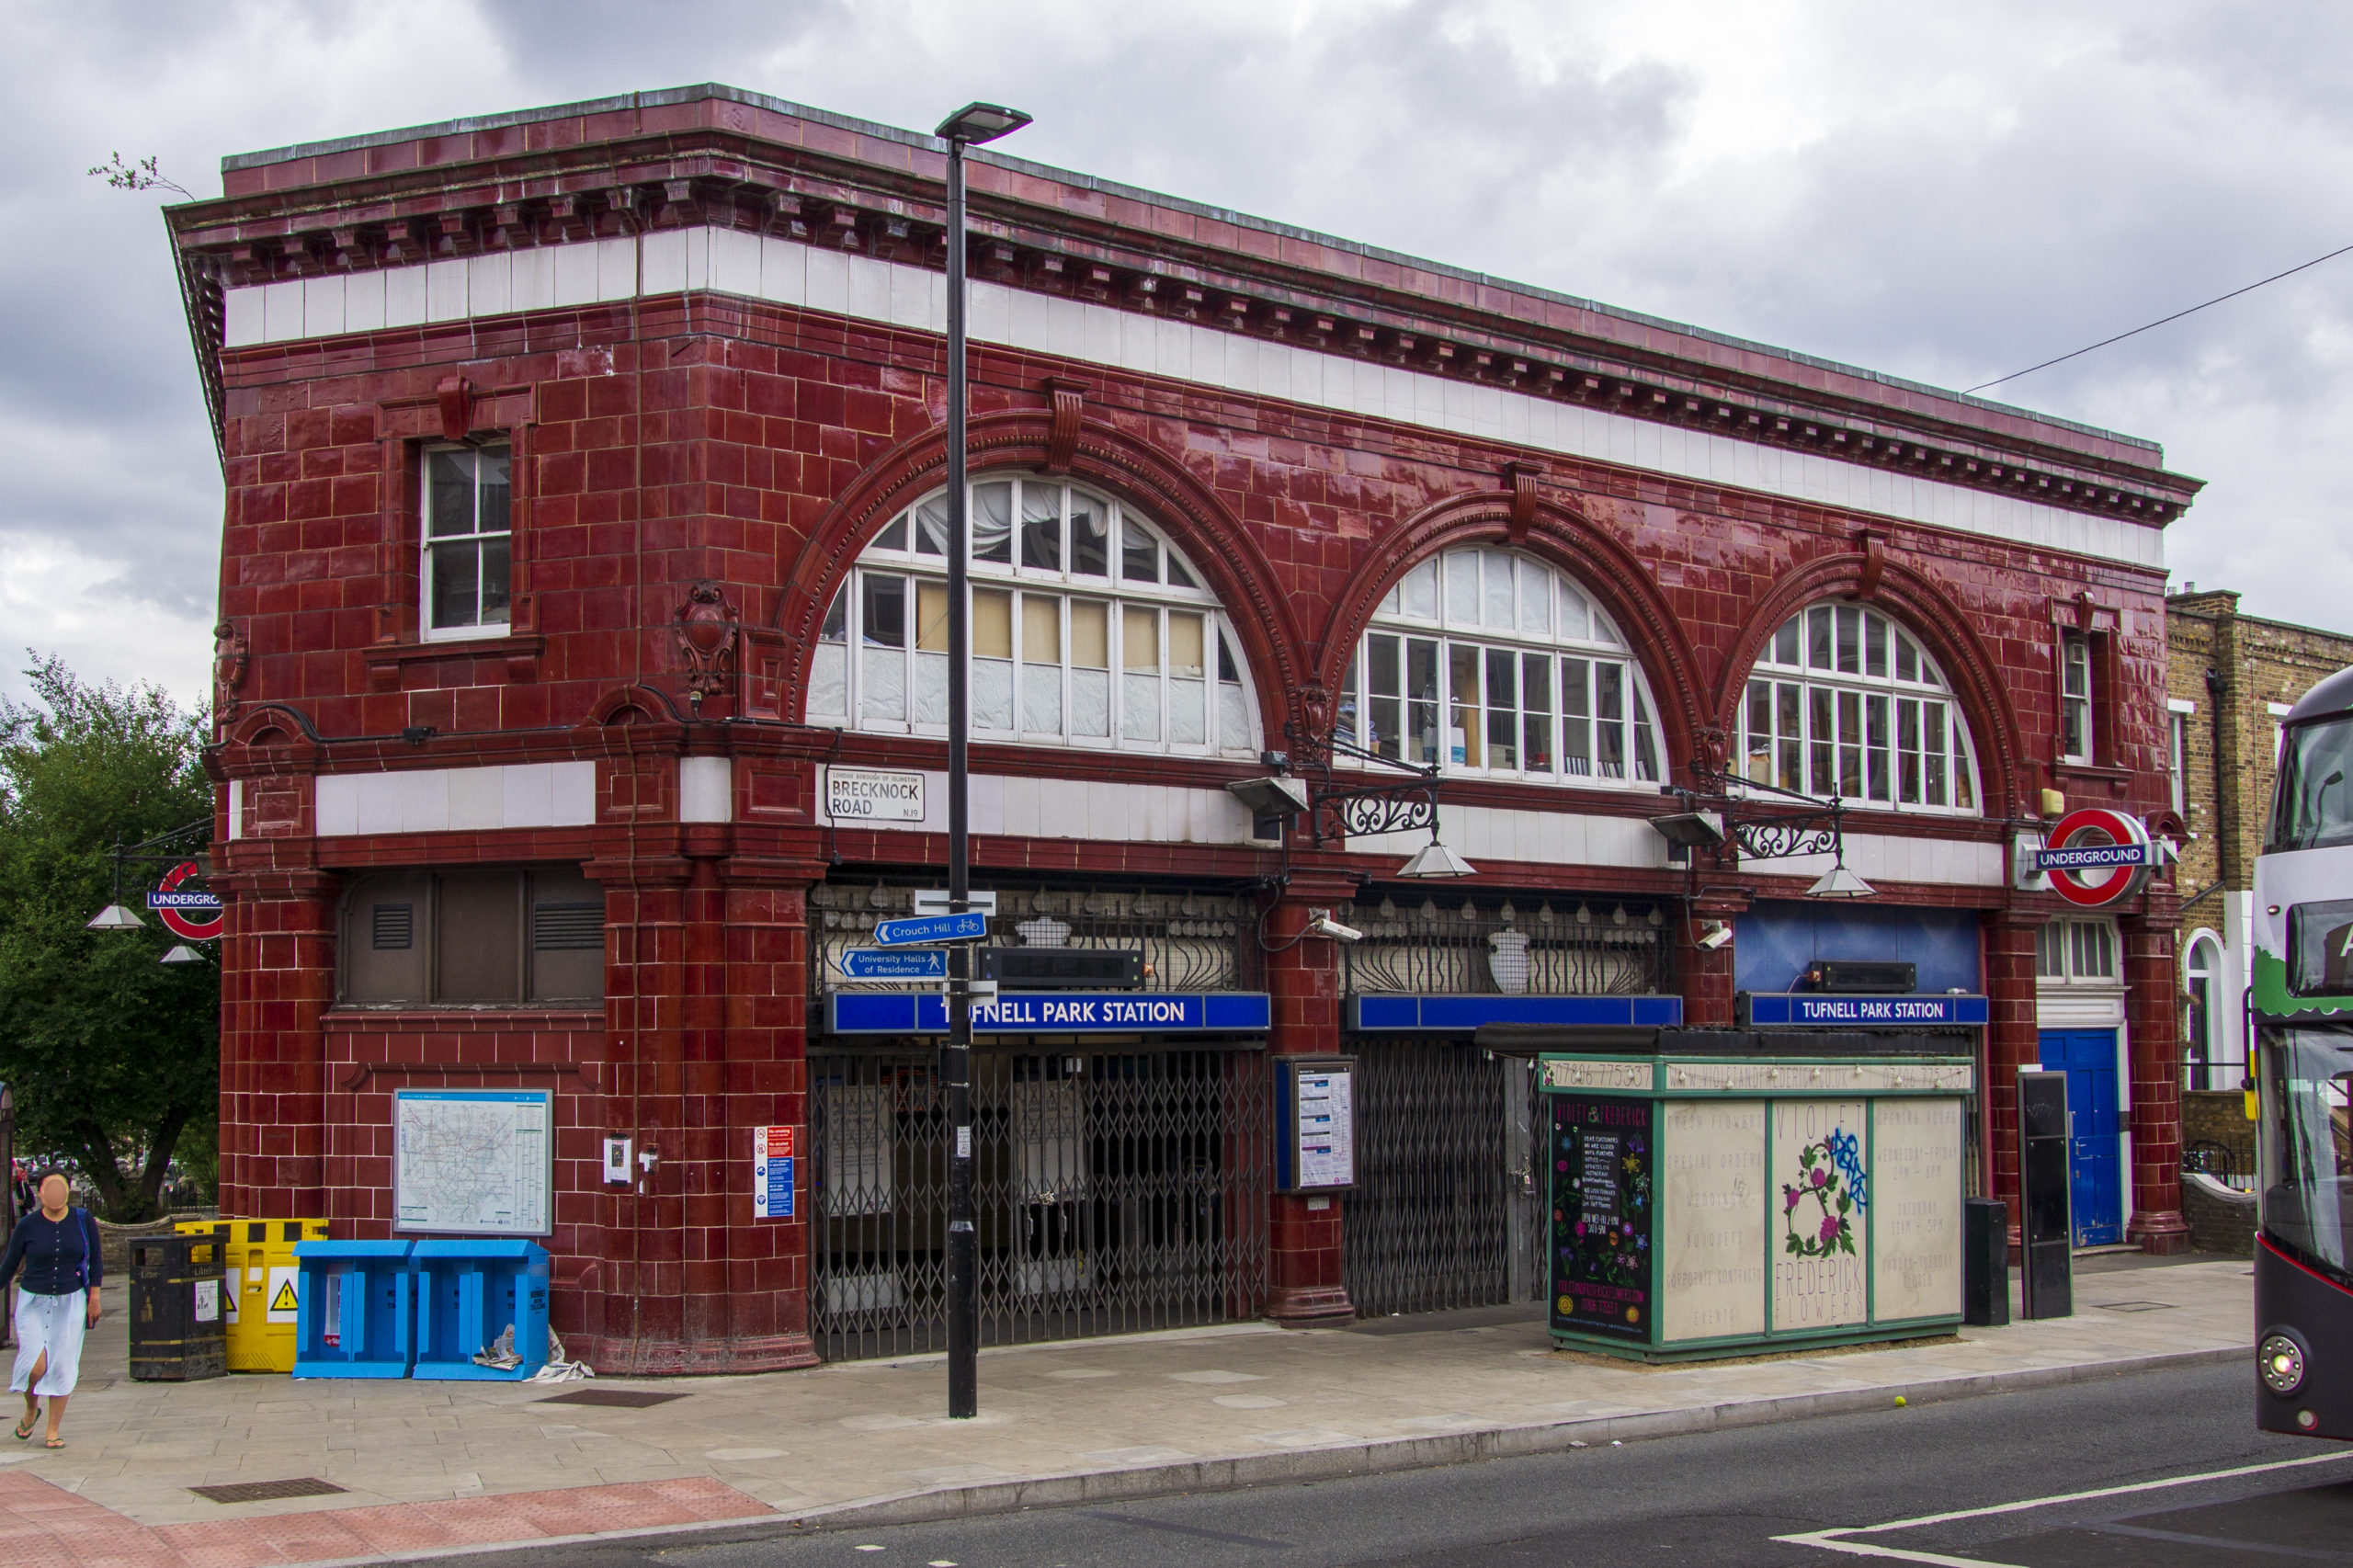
(772, 1173)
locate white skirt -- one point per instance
(52, 1327)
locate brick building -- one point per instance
(579, 693)
(2229, 680)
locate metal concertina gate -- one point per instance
(1444, 1214)
(1119, 1186)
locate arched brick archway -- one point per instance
(1231, 565)
(1930, 614)
(1560, 537)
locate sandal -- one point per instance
(53, 1442)
(24, 1428)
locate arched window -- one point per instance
(1491, 664)
(1088, 627)
(1845, 702)
(2202, 1038)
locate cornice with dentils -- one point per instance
(1118, 252)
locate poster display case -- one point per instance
(1720, 1207)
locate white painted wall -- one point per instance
(458, 800)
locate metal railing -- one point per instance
(1500, 946)
(1190, 940)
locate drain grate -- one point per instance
(268, 1490)
(2134, 1306)
(619, 1399)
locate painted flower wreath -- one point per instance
(1830, 1176)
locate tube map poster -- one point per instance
(1602, 1152)
(472, 1161)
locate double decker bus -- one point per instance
(2301, 1007)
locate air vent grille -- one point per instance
(392, 925)
(566, 927)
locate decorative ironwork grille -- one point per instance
(1578, 948)
(1116, 1190)
(1190, 941)
(1429, 1226)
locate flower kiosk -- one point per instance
(1760, 1192)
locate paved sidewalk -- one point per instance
(428, 1466)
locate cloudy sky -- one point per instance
(1947, 193)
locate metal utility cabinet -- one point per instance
(1717, 1206)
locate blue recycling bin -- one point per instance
(355, 1316)
(467, 1294)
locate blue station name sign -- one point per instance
(1373, 1013)
(1816, 1009)
(1054, 1012)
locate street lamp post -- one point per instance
(968, 127)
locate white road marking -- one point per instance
(1833, 1540)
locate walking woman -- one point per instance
(57, 1247)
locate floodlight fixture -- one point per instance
(1277, 796)
(1691, 830)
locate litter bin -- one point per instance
(177, 1319)
(356, 1318)
(468, 1294)
(266, 1286)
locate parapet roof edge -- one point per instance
(238, 161)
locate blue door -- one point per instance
(2095, 1146)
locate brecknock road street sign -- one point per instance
(973, 926)
(882, 963)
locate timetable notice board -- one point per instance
(1315, 1136)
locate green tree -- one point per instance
(114, 1057)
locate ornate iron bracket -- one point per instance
(1352, 807)
(1774, 835)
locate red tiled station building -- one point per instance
(581, 617)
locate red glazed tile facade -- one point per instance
(704, 435)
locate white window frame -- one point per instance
(2070, 952)
(1810, 723)
(2177, 714)
(2203, 958)
(1505, 617)
(2076, 687)
(850, 682)
(493, 623)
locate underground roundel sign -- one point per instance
(184, 906)
(2096, 857)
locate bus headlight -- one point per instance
(2282, 1361)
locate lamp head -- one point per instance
(1840, 882)
(1435, 860)
(976, 124)
(181, 952)
(115, 917)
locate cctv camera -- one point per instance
(1324, 926)
(1718, 935)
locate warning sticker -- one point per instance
(207, 1300)
(282, 1302)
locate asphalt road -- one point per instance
(1717, 1499)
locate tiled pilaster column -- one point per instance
(2153, 1012)
(278, 980)
(2011, 1043)
(1304, 1259)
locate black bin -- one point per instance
(178, 1330)
(1986, 1262)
